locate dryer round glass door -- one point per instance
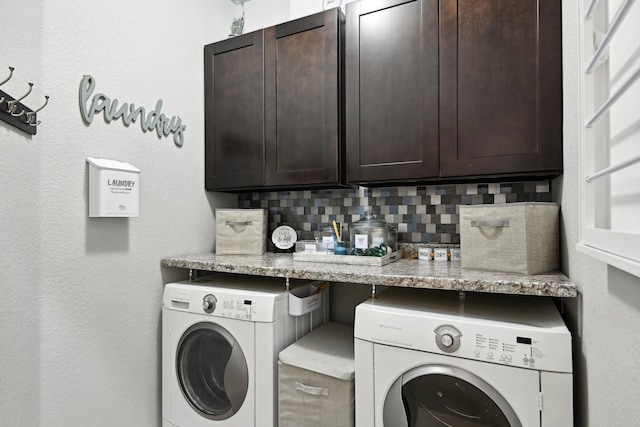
(212, 371)
(431, 396)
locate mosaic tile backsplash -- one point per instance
(422, 214)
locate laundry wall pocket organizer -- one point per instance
(15, 113)
(113, 188)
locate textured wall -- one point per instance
(80, 302)
(20, 236)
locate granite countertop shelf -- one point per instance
(410, 273)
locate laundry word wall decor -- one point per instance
(128, 112)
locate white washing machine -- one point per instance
(221, 336)
(437, 358)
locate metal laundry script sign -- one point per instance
(154, 119)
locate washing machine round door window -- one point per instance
(445, 396)
(212, 371)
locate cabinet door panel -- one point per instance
(302, 101)
(500, 87)
(392, 90)
(234, 111)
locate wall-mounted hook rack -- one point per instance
(15, 113)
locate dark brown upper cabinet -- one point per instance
(304, 99)
(500, 87)
(429, 90)
(274, 107)
(453, 90)
(234, 113)
(392, 90)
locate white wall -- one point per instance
(81, 297)
(605, 316)
(300, 8)
(263, 13)
(20, 246)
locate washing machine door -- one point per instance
(212, 371)
(430, 396)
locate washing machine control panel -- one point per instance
(238, 308)
(247, 307)
(235, 307)
(239, 304)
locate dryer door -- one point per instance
(438, 395)
(212, 371)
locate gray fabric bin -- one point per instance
(316, 379)
(241, 231)
(511, 237)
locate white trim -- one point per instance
(625, 264)
(622, 244)
(615, 24)
(617, 247)
(612, 100)
(592, 6)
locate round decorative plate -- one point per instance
(284, 237)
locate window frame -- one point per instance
(618, 248)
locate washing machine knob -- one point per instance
(448, 338)
(209, 303)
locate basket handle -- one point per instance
(238, 226)
(316, 391)
(492, 224)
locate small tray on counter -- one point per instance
(347, 259)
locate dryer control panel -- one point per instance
(248, 305)
(525, 334)
(525, 348)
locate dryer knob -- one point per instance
(209, 303)
(448, 338)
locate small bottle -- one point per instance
(339, 248)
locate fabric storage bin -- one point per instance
(511, 237)
(316, 379)
(241, 231)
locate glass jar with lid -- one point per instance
(370, 232)
(327, 236)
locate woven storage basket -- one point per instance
(511, 237)
(316, 385)
(241, 231)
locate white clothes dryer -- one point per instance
(437, 358)
(221, 336)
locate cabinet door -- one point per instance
(392, 90)
(234, 113)
(500, 87)
(303, 68)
